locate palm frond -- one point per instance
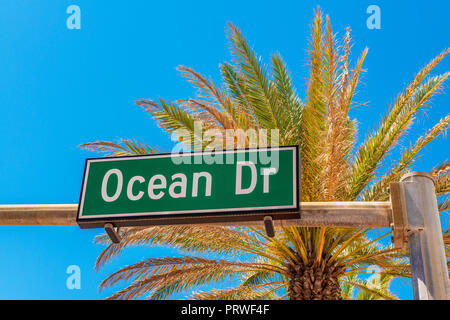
(289, 101)
(378, 191)
(374, 288)
(259, 88)
(165, 265)
(347, 287)
(172, 119)
(444, 205)
(238, 93)
(441, 177)
(398, 119)
(212, 98)
(208, 114)
(165, 276)
(255, 292)
(333, 160)
(313, 114)
(200, 239)
(125, 147)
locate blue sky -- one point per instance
(60, 88)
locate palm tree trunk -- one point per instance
(311, 283)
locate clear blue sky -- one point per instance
(60, 88)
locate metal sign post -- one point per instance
(426, 247)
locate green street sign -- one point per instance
(188, 188)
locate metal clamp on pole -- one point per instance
(268, 224)
(399, 223)
(112, 232)
(429, 271)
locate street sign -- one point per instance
(188, 188)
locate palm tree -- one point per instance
(299, 262)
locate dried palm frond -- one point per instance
(163, 275)
(441, 177)
(125, 147)
(200, 239)
(443, 208)
(213, 99)
(256, 292)
(313, 115)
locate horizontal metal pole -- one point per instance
(343, 214)
(313, 214)
(38, 214)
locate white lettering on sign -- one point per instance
(178, 185)
(105, 196)
(239, 165)
(156, 185)
(152, 186)
(266, 172)
(130, 194)
(208, 178)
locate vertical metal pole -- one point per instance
(426, 246)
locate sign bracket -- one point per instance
(268, 224)
(399, 225)
(113, 233)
